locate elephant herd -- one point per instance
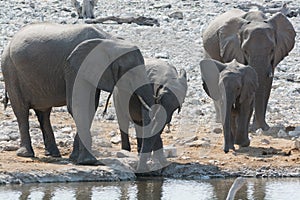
(48, 65)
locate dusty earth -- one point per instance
(194, 135)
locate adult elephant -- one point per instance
(252, 39)
(48, 65)
(170, 89)
(232, 86)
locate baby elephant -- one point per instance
(232, 86)
(169, 92)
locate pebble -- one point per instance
(281, 134)
(170, 152)
(176, 15)
(296, 144)
(116, 139)
(294, 133)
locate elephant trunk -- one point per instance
(226, 112)
(265, 77)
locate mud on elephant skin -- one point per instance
(49, 65)
(170, 89)
(252, 39)
(232, 86)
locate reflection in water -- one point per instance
(165, 189)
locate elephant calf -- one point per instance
(169, 91)
(232, 86)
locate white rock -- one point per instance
(66, 129)
(281, 133)
(296, 144)
(170, 152)
(116, 139)
(294, 133)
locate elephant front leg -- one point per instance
(83, 111)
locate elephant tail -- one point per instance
(106, 105)
(5, 100)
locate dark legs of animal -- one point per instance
(125, 141)
(48, 136)
(80, 153)
(25, 149)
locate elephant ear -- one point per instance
(210, 71)
(285, 36)
(230, 41)
(249, 83)
(94, 60)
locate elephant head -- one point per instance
(253, 39)
(232, 86)
(170, 88)
(102, 64)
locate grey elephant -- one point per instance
(252, 39)
(170, 89)
(232, 86)
(49, 65)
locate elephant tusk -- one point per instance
(144, 103)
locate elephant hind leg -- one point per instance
(21, 110)
(48, 136)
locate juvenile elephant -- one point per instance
(49, 65)
(252, 39)
(232, 86)
(169, 91)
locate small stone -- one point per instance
(281, 134)
(124, 154)
(265, 141)
(4, 138)
(198, 143)
(188, 140)
(112, 133)
(73, 15)
(217, 130)
(296, 144)
(116, 139)
(176, 15)
(162, 55)
(11, 148)
(158, 6)
(294, 133)
(66, 130)
(103, 143)
(170, 152)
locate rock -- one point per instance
(103, 143)
(158, 6)
(162, 55)
(294, 133)
(198, 143)
(281, 134)
(296, 144)
(4, 138)
(176, 15)
(112, 133)
(170, 152)
(125, 154)
(265, 141)
(116, 139)
(188, 140)
(66, 129)
(11, 147)
(217, 130)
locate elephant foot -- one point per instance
(142, 166)
(228, 147)
(53, 152)
(264, 126)
(244, 143)
(86, 158)
(25, 152)
(160, 156)
(74, 156)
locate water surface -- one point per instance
(157, 188)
